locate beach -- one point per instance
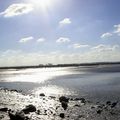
(92, 93)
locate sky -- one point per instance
(34, 32)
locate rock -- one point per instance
(42, 94)
(71, 99)
(52, 97)
(64, 105)
(114, 104)
(82, 100)
(29, 108)
(92, 107)
(108, 103)
(1, 117)
(38, 112)
(3, 109)
(76, 105)
(64, 99)
(17, 116)
(62, 115)
(99, 111)
(77, 99)
(100, 106)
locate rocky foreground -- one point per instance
(15, 105)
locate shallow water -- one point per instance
(94, 82)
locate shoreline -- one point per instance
(52, 108)
(61, 65)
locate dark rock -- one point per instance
(42, 94)
(64, 105)
(76, 105)
(52, 97)
(64, 99)
(99, 111)
(114, 104)
(92, 107)
(62, 115)
(1, 117)
(71, 99)
(29, 108)
(17, 116)
(45, 111)
(82, 100)
(108, 103)
(38, 112)
(3, 109)
(77, 99)
(100, 106)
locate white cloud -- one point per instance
(17, 9)
(65, 21)
(62, 40)
(77, 45)
(26, 39)
(117, 29)
(103, 47)
(106, 35)
(41, 40)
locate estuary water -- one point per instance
(93, 82)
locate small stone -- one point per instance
(52, 97)
(99, 111)
(38, 112)
(92, 107)
(64, 99)
(64, 105)
(17, 116)
(82, 100)
(108, 103)
(62, 115)
(114, 104)
(76, 105)
(42, 94)
(100, 106)
(29, 108)
(77, 99)
(3, 109)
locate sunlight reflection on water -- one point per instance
(33, 75)
(52, 90)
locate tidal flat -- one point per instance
(88, 93)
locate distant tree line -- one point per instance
(61, 65)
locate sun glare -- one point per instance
(42, 4)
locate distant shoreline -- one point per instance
(61, 65)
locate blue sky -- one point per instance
(59, 31)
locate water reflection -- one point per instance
(33, 75)
(53, 90)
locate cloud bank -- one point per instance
(99, 53)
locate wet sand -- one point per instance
(51, 108)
